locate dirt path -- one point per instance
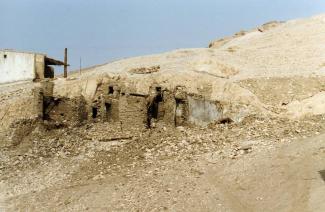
(284, 178)
(278, 177)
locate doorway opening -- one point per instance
(94, 112)
(154, 111)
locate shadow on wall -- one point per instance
(322, 174)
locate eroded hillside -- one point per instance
(230, 128)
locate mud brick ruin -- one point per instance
(116, 103)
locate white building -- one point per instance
(17, 66)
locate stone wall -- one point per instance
(169, 103)
(133, 111)
(66, 112)
(110, 110)
(15, 109)
(18, 106)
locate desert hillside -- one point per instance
(287, 49)
(238, 126)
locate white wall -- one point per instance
(16, 66)
(203, 112)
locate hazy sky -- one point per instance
(104, 30)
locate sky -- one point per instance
(100, 31)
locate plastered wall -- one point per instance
(16, 66)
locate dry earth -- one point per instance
(255, 166)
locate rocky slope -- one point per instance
(271, 82)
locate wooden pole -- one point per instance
(65, 62)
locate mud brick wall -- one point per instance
(115, 110)
(13, 110)
(23, 104)
(169, 108)
(68, 111)
(181, 115)
(18, 106)
(110, 110)
(133, 111)
(38, 102)
(161, 111)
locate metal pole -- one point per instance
(80, 67)
(65, 62)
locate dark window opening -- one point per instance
(110, 90)
(159, 98)
(179, 102)
(108, 108)
(153, 109)
(4, 56)
(225, 121)
(49, 103)
(137, 94)
(322, 174)
(158, 89)
(180, 114)
(94, 112)
(49, 72)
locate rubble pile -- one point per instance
(113, 145)
(145, 70)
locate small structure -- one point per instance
(17, 66)
(116, 102)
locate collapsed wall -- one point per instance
(117, 103)
(22, 110)
(14, 107)
(130, 103)
(59, 110)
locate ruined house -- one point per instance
(17, 66)
(119, 103)
(115, 102)
(135, 99)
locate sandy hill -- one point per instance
(269, 83)
(272, 65)
(258, 71)
(286, 49)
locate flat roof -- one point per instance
(51, 61)
(18, 51)
(48, 60)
